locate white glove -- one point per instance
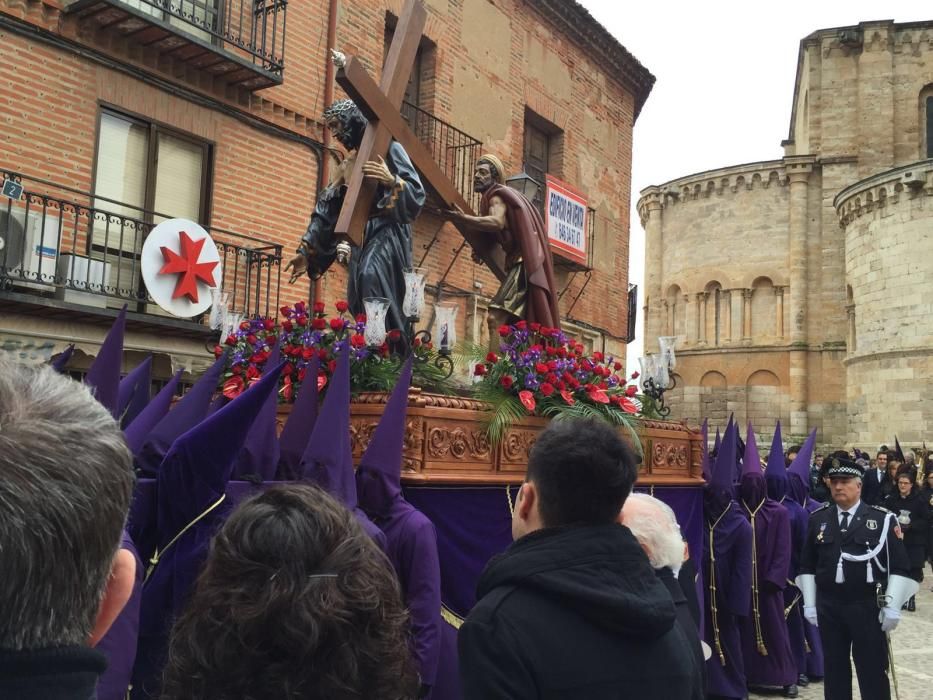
(889, 617)
(810, 614)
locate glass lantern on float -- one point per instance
(656, 374)
(445, 326)
(413, 304)
(376, 310)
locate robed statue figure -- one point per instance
(528, 291)
(376, 268)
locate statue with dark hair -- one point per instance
(295, 601)
(376, 268)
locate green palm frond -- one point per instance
(583, 410)
(505, 409)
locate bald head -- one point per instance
(655, 527)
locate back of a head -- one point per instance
(295, 601)
(583, 471)
(655, 527)
(65, 485)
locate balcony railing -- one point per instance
(455, 151)
(202, 32)
(77, 247)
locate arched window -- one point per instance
(850, 314)
(676, 313)
(763, 315)
(715, 300)
(926, 121)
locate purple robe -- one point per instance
(732, 551)
(772, 543)
(119, 644)
(812, 644)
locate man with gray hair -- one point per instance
(65, 486)
(655, 526)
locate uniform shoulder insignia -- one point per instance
(881, 508)
(820, 509)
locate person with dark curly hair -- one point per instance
(295, 601)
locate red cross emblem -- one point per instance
(187, 267)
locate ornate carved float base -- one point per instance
(445, 442)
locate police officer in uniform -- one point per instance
(854, 579)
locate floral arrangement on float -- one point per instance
(304, 333)
(541, 371)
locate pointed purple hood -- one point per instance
(379, 477)
(718, 493)
(64, 357)
(188, 413)
(718, 442)
(133, 392)
(104, 374)
(776, 471)
(198, 465)
(704, 451)
(328, 458)
(799, 470)
(300, 424)
(137, 433)
(260, 453)
(752, 488)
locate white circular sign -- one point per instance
(180, 264)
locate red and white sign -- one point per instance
(565, 218)
(180, 265)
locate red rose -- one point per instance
(521, 325)
(552, 378)
(307, 353)
(319, 307)
(251, 339)
(540, 368)
(479, 370)
(384, 349)
(506, 382)
(336, 324)
(284, 310)
(342, 306)
(318, 324)
(417, 342)
(238, 370)
(331, 366)
(547, 389)
(258, 358)
(527, 399)
(233, 387)
(288, 368)
(631, 390)
(598, 356)
(357, 340)
(300, 306)
(218, 351)
(322, 355)
(302, 320)
(287, 326)
(561, 386)
(268, 324)
(504, 331)
(635, 375)
(617, 366)
(492, 357)
(429, 345)
(395, 335)
(536, 327)
(361, 318)
(231, 339)
(244, 326)
(552, 365)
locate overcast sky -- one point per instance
(725, 77)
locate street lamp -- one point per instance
(657, 374)
(526, 184)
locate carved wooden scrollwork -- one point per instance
(458, 443)
(517, 445)
(668, 455)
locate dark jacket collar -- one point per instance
(61, 673)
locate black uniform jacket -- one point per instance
(575, 613)
(825, 541)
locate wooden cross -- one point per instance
(381, 105)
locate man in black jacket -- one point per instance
(573, 609)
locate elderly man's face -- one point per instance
(846, 490)
(482, 177)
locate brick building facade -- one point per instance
(119, 112)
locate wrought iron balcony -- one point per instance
(240, 41)
(74, 247)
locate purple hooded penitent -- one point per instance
(328, 456)
(765, 644)
(717, 443)
(260, 454)
(119, 644)
(411, 541)
(300, 423)
(727, 572)
(60, 362)
(190, 411)
(137, 433)
(133, 392)
(192, 483)
(104, 374)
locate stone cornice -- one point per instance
(884, 189)
(619, 64)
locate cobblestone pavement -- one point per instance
(913, 654)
